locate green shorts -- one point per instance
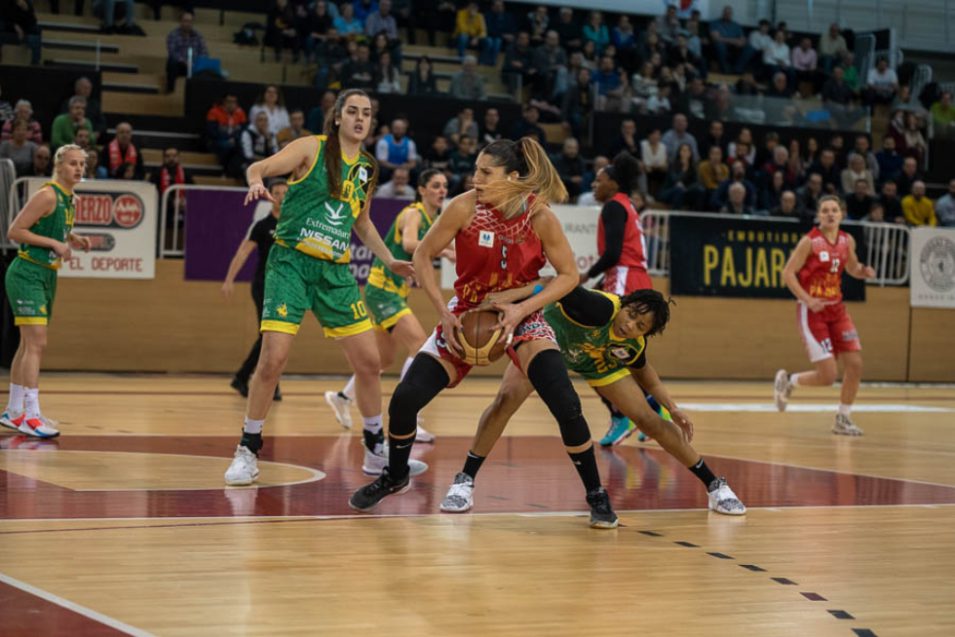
(386, 308)
(31, 289)
(296, 282)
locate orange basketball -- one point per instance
(479, 337)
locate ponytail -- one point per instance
(536, 175)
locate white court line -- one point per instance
(76, 608)
(889, 408)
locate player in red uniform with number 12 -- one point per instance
(814, 274)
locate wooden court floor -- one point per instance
(123, 525)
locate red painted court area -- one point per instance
(523, 474)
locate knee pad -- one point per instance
(424, 380)
(548, 374)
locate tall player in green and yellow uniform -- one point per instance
(386, 294)
(602, 337)
(329, 195)
(44, 230)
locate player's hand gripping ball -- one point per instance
(480, 339)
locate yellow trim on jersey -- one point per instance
(321, 141)
(392, 320)
(348, 330)
(31, 320)
(351, 160)
(279, 326)
(23, 254)
(609, 379)
(68, 193)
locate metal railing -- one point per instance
(176, 241)
(886, 244)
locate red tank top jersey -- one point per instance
(494, 253)
(633, 254)
(821, 275)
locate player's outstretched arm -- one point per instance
(650, 382)
(298, 154)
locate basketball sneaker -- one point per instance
(782, 390)
(371, 494)
(620, 429)
(642, 437)
(845, 427)
(38, 427)
(376, 461)
(601, 513)
(460, 497)
(244, 469)
(11, 420)
(341, 405)
(723, 500)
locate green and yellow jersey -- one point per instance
(56, 225)
(380, 276)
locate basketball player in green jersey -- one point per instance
(386, 295)
(602, 337)
(329, 195)
(44, 230)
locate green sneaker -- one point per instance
(620, 429)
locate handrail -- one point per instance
(174, 250)
(886, 245)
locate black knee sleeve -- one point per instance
(548, 374)
(424, 380)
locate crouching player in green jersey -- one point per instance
(329, 195)
(602, 337)
(44, 230)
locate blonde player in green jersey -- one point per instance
(386, 295)
(44, 230)
(329, 195)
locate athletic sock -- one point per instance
(252, 426)
(399, 451)
(701, 471)
(31, 402)
(373, 433)
(15, 402)
(404, 368)
(586, 464)
(473, 464)
(845, 410)
(349, 391)
(794, 379)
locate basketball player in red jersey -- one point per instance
(814, 275)
(622, 262)
(503, 232)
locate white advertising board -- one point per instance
(932, 257)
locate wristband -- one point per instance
(537, 289)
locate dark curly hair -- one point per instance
(650, 301)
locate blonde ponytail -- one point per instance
(536, 175)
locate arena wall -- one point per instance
(172, 325)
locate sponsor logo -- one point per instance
(486, 239)
(124, 210)
(282, 310)
(824, 256)
(937, 264)
(335, 216)
(623, 353)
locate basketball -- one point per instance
(479, 338)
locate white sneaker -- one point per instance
(244, 469)
(845, 427)
(723, 500)
(375, 462)
(460, 497)
(782, 390)
(11, 419)
(423, 435)
(38, 427)
(341, 406)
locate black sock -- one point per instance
(372, 440)
(614, 412)
(399, 450)
(701, 471)
(252, 441)
(586, 464)
(343, 396)
(473, 464)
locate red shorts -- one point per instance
(532, 328)
(623, 279)
(827, 333)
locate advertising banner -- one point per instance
(119, 217)
(217, 222)
(933, 267)
(739, 257)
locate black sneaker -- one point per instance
(371, 494)
(240, 386)
(601, 513)
(277, 396)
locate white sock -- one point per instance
(15, 402)
(404, 368)
(252, 426)
(349, 391)
(31, 401)
(794, 379)
(845, 410)
(372, 424)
